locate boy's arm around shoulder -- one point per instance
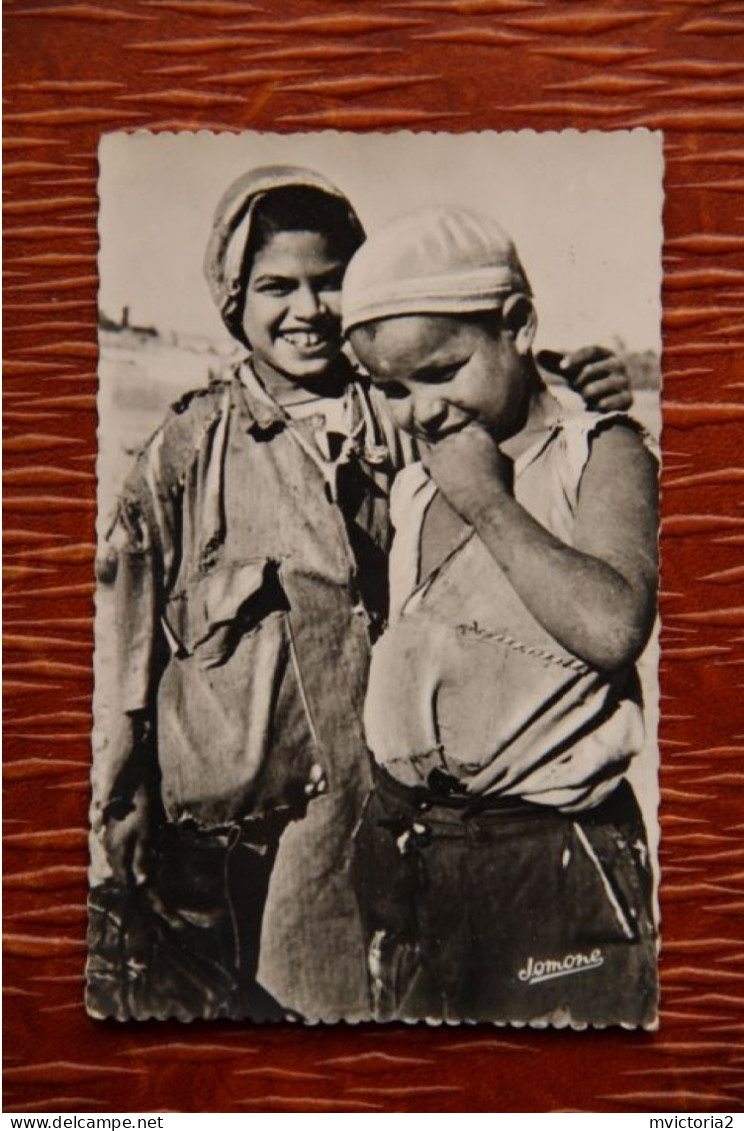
(596, 597)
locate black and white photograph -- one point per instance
(376, 670)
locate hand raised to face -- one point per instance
(469, 469)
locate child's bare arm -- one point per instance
(598, 597)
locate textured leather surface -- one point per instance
(74, 69)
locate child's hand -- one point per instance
(469, 469)
(126, 842)
(597, 374)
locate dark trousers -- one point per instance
(215, 883)
(185, 944)
(514, 912)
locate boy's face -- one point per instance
(440, 374)
(292, 315)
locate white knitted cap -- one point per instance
(436, 261)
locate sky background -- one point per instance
(583, 208)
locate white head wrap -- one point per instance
(436, 261)
(225, 263)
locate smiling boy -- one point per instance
(289, 314)
(502, 837)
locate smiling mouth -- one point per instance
(307, 341)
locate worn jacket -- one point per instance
(252, 577)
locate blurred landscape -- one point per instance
(142, 372)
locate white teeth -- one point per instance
(304, 339)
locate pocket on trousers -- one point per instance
(394, 965)
(608, 891)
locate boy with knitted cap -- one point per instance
(501, 865)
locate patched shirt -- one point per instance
(465, 680)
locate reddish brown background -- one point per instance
(74, 70)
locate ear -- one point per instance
(519, 318)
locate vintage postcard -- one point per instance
(376, 647)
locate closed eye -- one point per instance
(394, 391)
(438, 375)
